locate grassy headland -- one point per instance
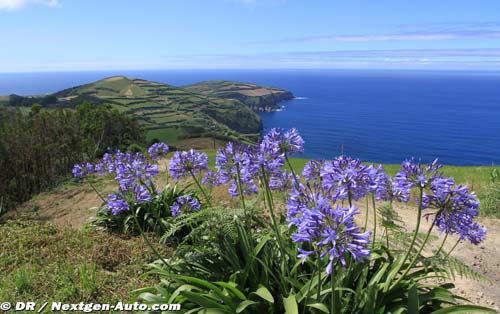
(213, 110)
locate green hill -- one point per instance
(259, 98)
(170, 113)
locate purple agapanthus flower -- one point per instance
(283, 181)
(268, 159)
(117, 204)
(347, 177)
(158, 150)
(312, 170)
(300, 201)
(133, 173)
(141, 194)
(382, 184)
(289, 142)
(185, 204)
(248, 186)
(331, 232)
(211, 178)
(232, 160)
(186, 162)
(234, 164)
(78, 170)
(456, 209)
(81, 170)
(414, 173)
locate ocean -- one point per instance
(378, 116)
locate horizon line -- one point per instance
(253, 69)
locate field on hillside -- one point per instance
(170, 113)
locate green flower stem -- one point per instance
(271, 210)
(147, 240)
(374, 221)
(453, 248)
(366, 215)
(318, 266)
(95, 190)
(316, 270)
(293, 171)
(387, 237)
(442, 244)
(200, 188)
(414, 260)
(417, 227)
(240, 189)
(333, 299)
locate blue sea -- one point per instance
(379, 116)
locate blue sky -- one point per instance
(60, 35)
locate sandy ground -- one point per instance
(75, 204)
(483, 258)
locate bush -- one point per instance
(155, 216)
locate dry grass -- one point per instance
(45, 262)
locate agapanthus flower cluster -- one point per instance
(331, 231)
(211, 178)
(235, 166)
(268, 158)
(347, 177)
(130, 168)
(414, 173)
(83, 169)
(185, 204)
(158, 150)
(117, 203)
(384, 189)
(283, 181)
(456, 209)
(312, 171)
(187, 162)
(243, 166)
(289, 142)
(300, 201)
(133, 173)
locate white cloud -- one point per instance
(414, 36)
(10, 5)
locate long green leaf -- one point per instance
(464, 309)
(413, 302)
(264, 293)
(202, 300)
(319, 306)
(231, 287)
(243, 305)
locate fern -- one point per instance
(451, 268)
(209, 222)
